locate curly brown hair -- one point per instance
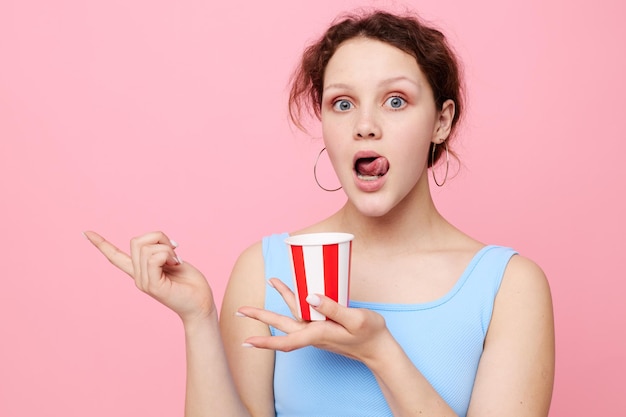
(408, 33)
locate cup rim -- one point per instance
(322, 238)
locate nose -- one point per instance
(366, 127)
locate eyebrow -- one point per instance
(382, 83)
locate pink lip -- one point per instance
(367, 186)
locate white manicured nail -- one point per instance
(314, 300)
(247, 345)
(239, 314)
(173, 243)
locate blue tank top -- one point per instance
(443, 338)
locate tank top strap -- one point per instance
(483, 279)
(277, 265)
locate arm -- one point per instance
(157, 271)
(252, 369)
(516, 370)
(210, 389)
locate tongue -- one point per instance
(372, 166)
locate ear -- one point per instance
(444, 121)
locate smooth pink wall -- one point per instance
(130, 116)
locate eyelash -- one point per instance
(335, 103)
(404, 102)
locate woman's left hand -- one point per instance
(353, 332)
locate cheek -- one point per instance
(334, 133)
(327, 127)
(330, 136)
(413, 153)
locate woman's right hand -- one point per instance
(158, 272)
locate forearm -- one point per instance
(210, 388)
(406, 390)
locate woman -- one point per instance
(439, 324)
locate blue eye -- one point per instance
(395, 102)
(342, 105)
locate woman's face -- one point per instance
(378, 120)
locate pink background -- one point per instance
(129, 116)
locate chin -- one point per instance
(373, 208)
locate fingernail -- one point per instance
(270, 283)
(85, 235)
(239, 314)
(313, 300)
(179, 259)
(247, 345)
(173, 243)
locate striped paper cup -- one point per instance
(321, 265)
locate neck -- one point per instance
(415, 222)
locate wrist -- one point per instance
(196, 323)
(382, 349)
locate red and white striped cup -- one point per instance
(321, 265)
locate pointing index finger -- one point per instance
(111, 252)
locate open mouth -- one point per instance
(371, 168)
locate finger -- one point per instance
(335, 312)
(280, 322)
(112, 253)
(154, 271)
(153, 259)
(286, 293)
(138, 242)
(286, 343)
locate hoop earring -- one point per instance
(432, 164)
(315, 173)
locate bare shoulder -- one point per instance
(247, 280)
(246, 287)
(523, 303)
(250, 258)
(524, 282)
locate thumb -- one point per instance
(326, 306)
